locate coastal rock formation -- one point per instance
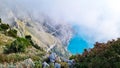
(45, 32)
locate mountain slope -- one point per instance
(44, 31)
(4, 40)
(103, 55)
(45, 40)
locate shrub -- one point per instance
(64, 65)
(12, 32)
(38, 64)
(117, 65)
(72, 57)
(103, 55)
(37, 47)
(51, 65)
(11, 58)
(19, 45)
(28, 37)
(35, 58)
(4, 27)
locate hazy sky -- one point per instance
(99, 20)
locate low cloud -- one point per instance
(97, 20)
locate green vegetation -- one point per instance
(12, 58)
(19, 45)
(103, 55)
(64, 65)
(5, 40)
(28, 37)
(16, 49)
(38, 64)
(51, 65)
(12, 33)
(5, 28)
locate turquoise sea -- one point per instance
(77, 43)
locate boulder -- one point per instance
(29, 63)
(57, 65)
(52, 57)
(45, 65)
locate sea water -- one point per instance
(77, 44)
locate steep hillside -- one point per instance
(17, 47)
(103, 55)
(4, 40)
(45, 32)
(14, 48)
(44, 39)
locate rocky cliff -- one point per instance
(45, 32)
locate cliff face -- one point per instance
(46, 40)
(47, 34)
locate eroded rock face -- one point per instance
(48, 41)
